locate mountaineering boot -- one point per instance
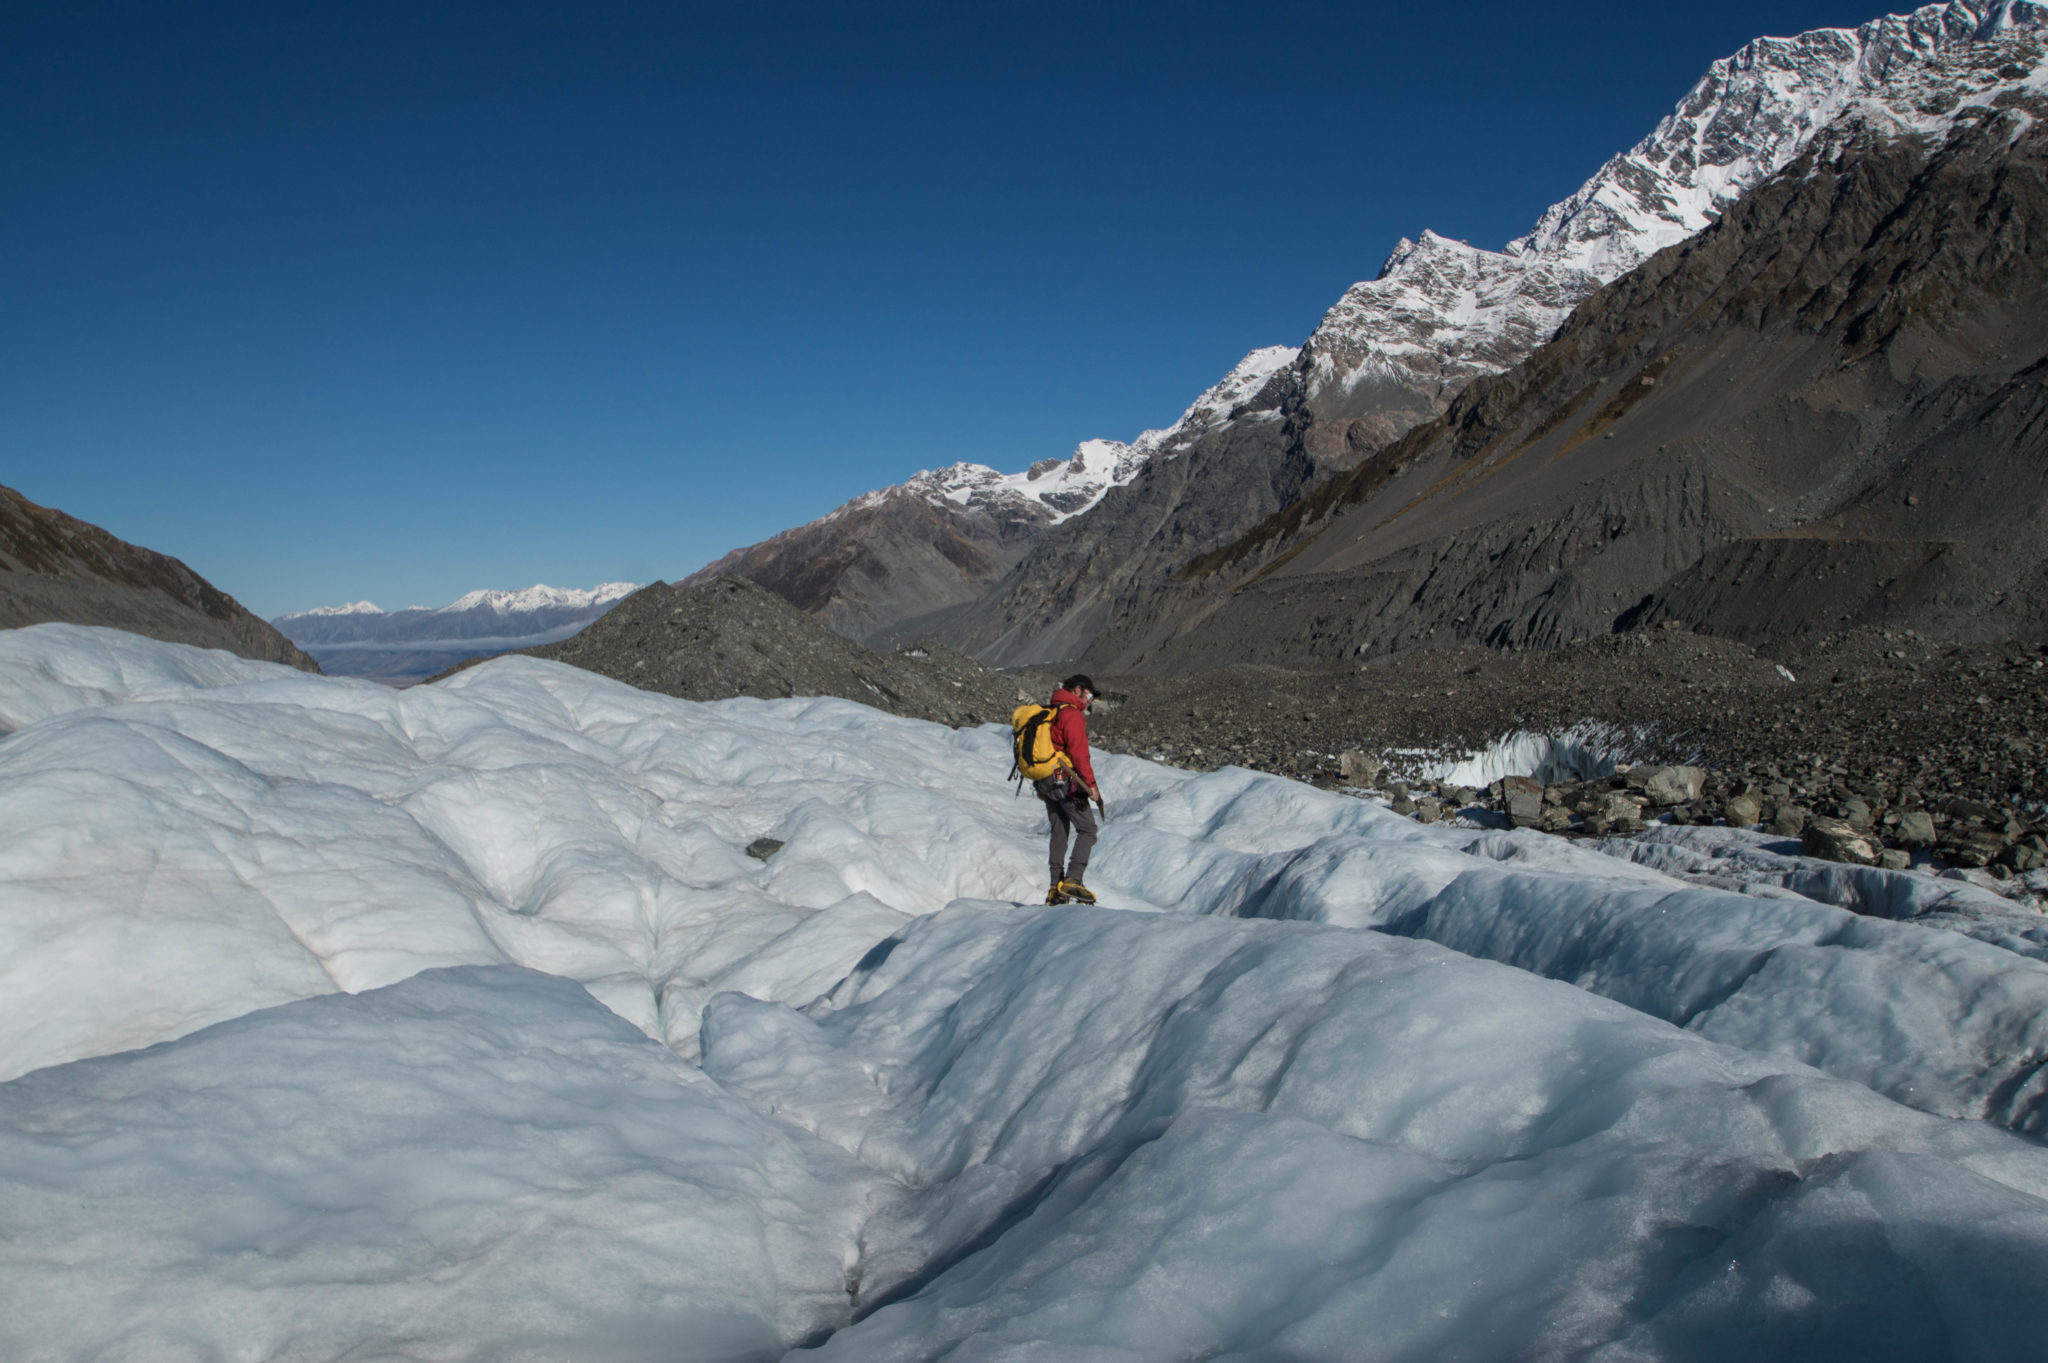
(1057, 894)
(1074, 890)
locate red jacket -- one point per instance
(1070, 733)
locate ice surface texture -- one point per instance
(1272, 1140)
(1602, 1111)
(481, 1156)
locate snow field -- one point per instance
(864, 1101)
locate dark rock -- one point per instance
(1916, 829)
(1523, 799)
(763, 848)
(1977, 847)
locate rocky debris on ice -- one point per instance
(1935, 746)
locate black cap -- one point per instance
(1080, 681)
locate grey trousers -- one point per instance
(1067, 810)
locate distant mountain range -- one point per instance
(361, 640)
(1148, 572)
(57, 568)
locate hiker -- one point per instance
(1068, 790)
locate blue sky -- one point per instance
(394, 302)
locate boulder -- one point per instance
(1916, 829)
(1838, 840)
(1522, 798)
(1668, 785)
(1357, 767)
(1892, 859)
(2023, 858)
(1743, 811)
(1789, 821)
(1616, 804)
(1555, 819)
(1612, 811)
(1429, 809)
(1973, 847)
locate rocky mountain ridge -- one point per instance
(1826, 411)
(880, 566)
(729, 637)
(55, 567)
(1394, 351)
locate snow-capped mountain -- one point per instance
(352, 608)
(1065, 488)
(1226, 400)
(1396, 350)
(1442, 312)
(890, 563)
(1391, 353)
(1823, 412)
(475, 615)
(1062, 487)
(360, 640)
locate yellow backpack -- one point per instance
(1034, 756)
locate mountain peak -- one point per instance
(1442, 312)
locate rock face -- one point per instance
(55, 567)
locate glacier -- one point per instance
(338, 1022)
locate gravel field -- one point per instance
(1883, 709)
(1878, 748)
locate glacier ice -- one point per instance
(456, 1023)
